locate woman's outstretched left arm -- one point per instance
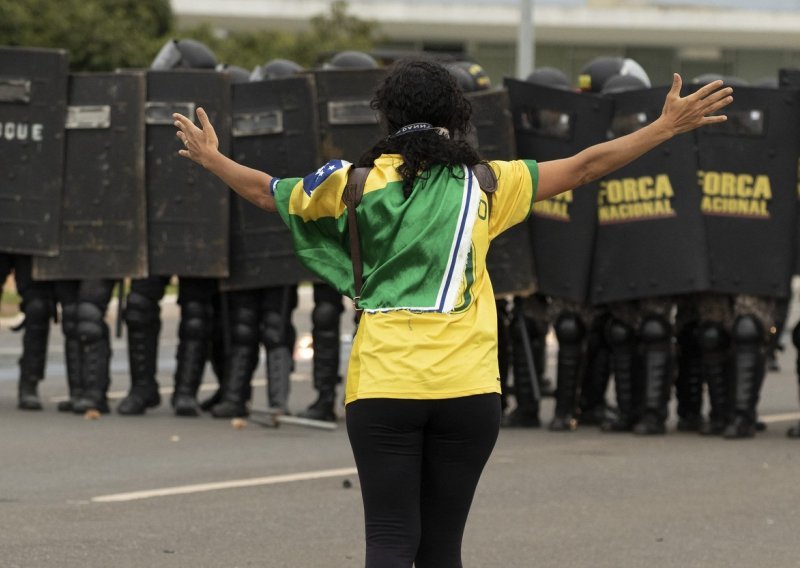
(680, 114)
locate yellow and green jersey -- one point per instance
(429, 328)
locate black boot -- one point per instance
(95, 359)
(143, 393)
(656, 335)
(622, 340)
(325, 336)
(570, 332)
(144, 327)
(194, 343)
(526, 413)
(689, 381)
(32, 364)
(279, 370)
(236, 388)
(748, 372)
(72, 359)
(794, 431)
(503, 352)
(594, 409)
(715, 345)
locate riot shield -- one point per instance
(33, 103)
(510, 258)
(790, 78)
(748, 182)
(348, 125)
(103, 218)
(650, 238)
(274, 129)
(187, 207)
(550, 124)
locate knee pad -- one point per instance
(274, 331)
(325, 316)
(141, 311)
(244, 326)
(69, 320)
(569, 328)
(38, 310)
(196, 321)
(91, 325)
(97, 292)
(619, 334)
(748, 330)
(655, 329)
(713, 337)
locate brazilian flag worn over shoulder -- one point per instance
(414, 250)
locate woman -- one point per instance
(423, 404)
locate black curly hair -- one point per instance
(422, 90)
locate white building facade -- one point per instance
(750, 39)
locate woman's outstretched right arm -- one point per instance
(202, 146)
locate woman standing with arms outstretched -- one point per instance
(422, 398)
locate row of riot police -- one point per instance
(704, 226)
(671, 273)
(97, 195)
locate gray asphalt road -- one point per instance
(162, 491)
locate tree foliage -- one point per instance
(100, 35)
(327, 34)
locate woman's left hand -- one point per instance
(682, 114)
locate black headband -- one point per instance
(420, 127)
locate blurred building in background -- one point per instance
(751, 39)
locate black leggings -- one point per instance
(419, 462)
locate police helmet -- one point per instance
(235, 73)
(599, 70)
(351, 60)
(729, 80)
(549, 77)
(621, 83)
(463, 78)
(479, 76)
(275, 69)
(184, 54)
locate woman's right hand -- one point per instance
(201, 144)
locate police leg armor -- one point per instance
(749, 367)
(689, 380)
(142, 318)
(715, 345)
(38, 309)
(571, 333)
(194, 335)
(539, 351)
(95, 359)
(325, 337)
(241, 362)
(220, 345)
(526, 413)
(622, 339)
(794, 431)
(278, 336)
(594, 409)
(656, 340)
(72, 355)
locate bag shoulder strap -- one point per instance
(487, 180)
(353, 192)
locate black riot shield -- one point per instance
(103, 218)
(748, 182)
(550, 124)
(510, 258)
(274, 129)
(33, 103)
(348, 125)
(790, 78)
(187, 207)
(650, 236)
